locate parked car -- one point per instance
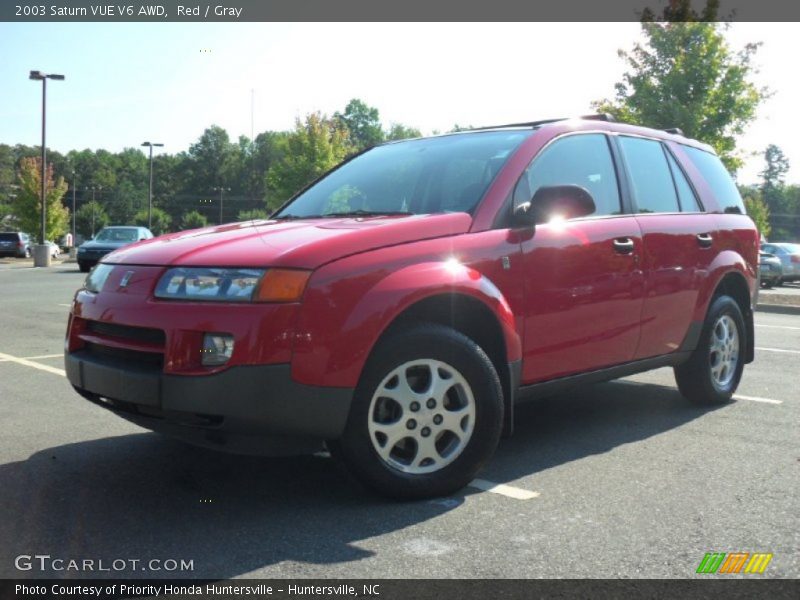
(789, 255)
(15, 243)
(770, 269)
(55, 250)
(398, 308)
(108, 240)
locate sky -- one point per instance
(167, 82)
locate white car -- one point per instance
(55, 251)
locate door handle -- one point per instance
(623, 245)
(705, 240)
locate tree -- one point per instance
(685, 75)
(759, 212)
(212, 161)
(363, 122)
(27, 205)
(161, 221)
(193, 220)
(90, 218)
(252, 215)
(398, 131)
(773, 177)
(315, 146)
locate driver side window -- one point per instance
(583, 160)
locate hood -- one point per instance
(303, 244)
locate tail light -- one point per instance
(20, 244)
(796, 258)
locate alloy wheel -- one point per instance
(421, 416)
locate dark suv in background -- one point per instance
(15, 244)
(107, 240)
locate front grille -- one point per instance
(138, 334)
(127, 358)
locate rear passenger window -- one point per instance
(583, 160)
(718, 179)
(686, 196)
(653, 188)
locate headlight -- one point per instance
(232, 285)
(97, 277)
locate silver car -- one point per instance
(789, 255)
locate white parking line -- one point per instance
(757, 399)
(778, 327)
(67, 305)
(43, 356)
(778, 350)
(29, 363)
(503, 489)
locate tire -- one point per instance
(442, 382)
(27, 252)
(83, 267)
(714, 369)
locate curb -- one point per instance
(785, 309)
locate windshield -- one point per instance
(434, 175)
(117, 235)
(791, 248)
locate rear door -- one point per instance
(582, 277)
(679, 240)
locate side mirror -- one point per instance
(565, 201)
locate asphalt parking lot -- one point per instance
(622, 479)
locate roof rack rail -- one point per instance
(675, 130)
(597, 117)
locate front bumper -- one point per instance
(254, 409)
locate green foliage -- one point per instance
(90, 218)
(773, 176)
(759, 212)
(685, 75)
(252, 215)
(398, 131)
(362, 122)
(193, 220)
(161, 221)
(315, 146)
(27, 205)
(270, 167)
(212, 161)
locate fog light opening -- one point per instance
(217, 349)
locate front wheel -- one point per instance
(84, 268)
(712, 373)
(426, 415)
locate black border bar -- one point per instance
(159, 11)
(733, 588)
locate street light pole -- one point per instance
(74, 232)
(221, 190)
(150, 191)
(41, 256)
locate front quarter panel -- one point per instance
(350, 303)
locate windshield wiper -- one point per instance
(368, 213)
(292, 217)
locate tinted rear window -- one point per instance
(718, 179)
(9, 237)
(653, 187)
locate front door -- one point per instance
(583, 277)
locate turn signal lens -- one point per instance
(282, 285)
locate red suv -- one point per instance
(398, 308)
